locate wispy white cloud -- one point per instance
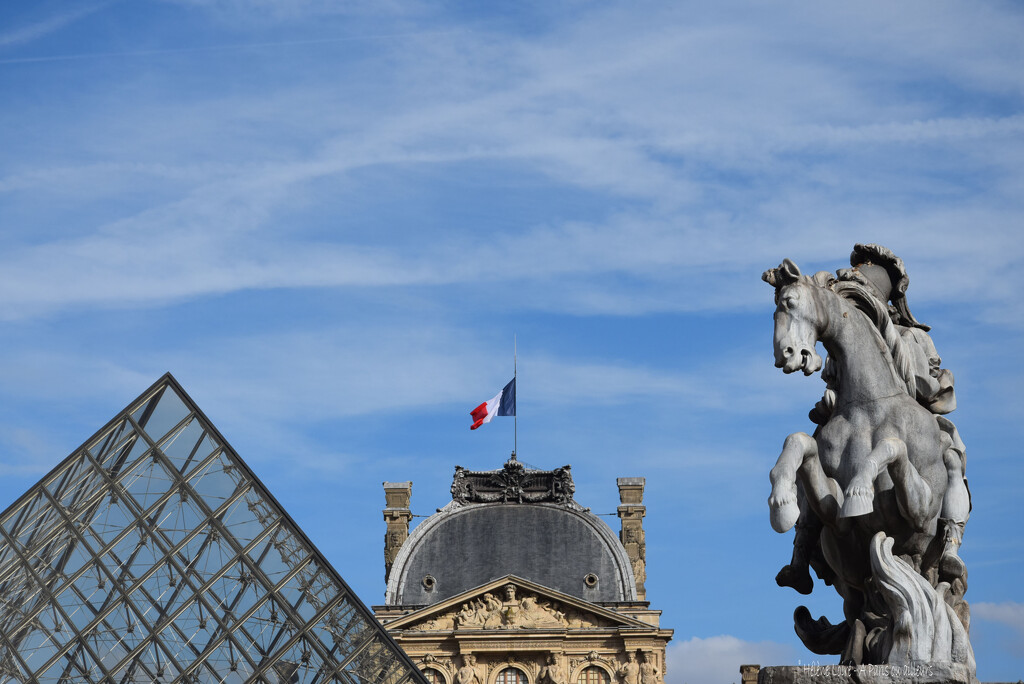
(650, 116)
(717, 659)
(36, 30)
(1009, 613)
(420, 366)
(272, 388)
(27, 453)
(110, 178)
(264, 11)
(171, 253)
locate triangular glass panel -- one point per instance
(154, 554)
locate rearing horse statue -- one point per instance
(874, 477)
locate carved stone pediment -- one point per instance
(512, 603)
(525, 611)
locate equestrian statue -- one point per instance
(878, 493)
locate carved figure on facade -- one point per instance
(629, 673)
(468, 673)
(461, 490)
(392, 543)
(648, 670)
(878, 494)
(465, 616)
(439, 623)
(633, 539)
(639, 569)
(562, 487)
(491, 602)
(552, 673)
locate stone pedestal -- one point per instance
(917, 673)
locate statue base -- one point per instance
(915, 673)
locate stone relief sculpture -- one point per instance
(468, 673)
(392, 543)
(592, 658)
(552, 673)
(528, 612)
(629, 673)
(513, 483)
(562, 487)
(636, 548)
(878, 493)
(648, 670)
(443, 663)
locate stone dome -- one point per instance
(512, 521)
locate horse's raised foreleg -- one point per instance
(823, 492)
(800, 454)
(782, 504)
(913, 494)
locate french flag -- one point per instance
(504, 404)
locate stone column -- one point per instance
(748, 674)
(631, 513)
(397, 516)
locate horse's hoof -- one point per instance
(797, 578)
(951, 566)
(858, 501)
(784, 512)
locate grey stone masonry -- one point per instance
(631, 514)
(397, 515)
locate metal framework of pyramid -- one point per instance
(153, 554)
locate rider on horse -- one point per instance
(883, 274)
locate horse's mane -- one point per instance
(878, 313)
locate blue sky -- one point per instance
(330, 219)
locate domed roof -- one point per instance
(512, 521)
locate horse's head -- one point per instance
(797, 317)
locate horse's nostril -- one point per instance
(788, 351)
(805, 353)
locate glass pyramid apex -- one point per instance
(154, 554)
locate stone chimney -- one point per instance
(631, 513)
(397, 516)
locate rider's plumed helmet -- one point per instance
(882, 272)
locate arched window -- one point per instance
(433, 676)
(511, 675)
(593, 675)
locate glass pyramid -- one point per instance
(153, 554)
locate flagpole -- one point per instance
(515, 373)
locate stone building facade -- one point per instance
(513, 582)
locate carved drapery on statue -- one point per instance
(470, 672)
(552, 672)
(878, 493)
